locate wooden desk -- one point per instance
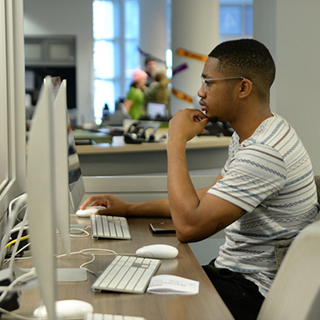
(119, 158)
(205, 305)
(97, 137)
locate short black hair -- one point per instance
(247, 58)
(148, 59)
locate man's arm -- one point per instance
(195, 218)
(118, 207)
(115, 206)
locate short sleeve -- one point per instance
(252, 175)
(130, 95)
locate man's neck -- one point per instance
(249, 124)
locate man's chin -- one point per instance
(213, 119)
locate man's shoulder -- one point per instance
(275, 132)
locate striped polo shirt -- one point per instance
(270, 176)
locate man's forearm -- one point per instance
(156, 208)
(183, 198)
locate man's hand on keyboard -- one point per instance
(114, 206)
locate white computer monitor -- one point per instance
(69, 181)
(76, 184)
(41, 192)
(156, 110)
(67, 161)
(48, 189)
(60, 120)
(53, 173)
(68, 178)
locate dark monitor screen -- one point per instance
(76, 184)
(36, 74)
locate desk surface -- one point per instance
(119, 146)
(205, 305)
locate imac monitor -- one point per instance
(47, 184)
(67, 162)
(156, 110)
(68, 179)
(60, 121)
(76, 184)
(41, 192)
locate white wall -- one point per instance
(195, 27)
(153, 28)
(290, 29)
(71, 17)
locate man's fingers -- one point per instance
(88, 201)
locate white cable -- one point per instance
(18, 258)
(88, 262)
(64, 254)
(87, 252)
(16, 246)
(106, 252)
(86, 233)
(18, 227)
(19, 211)
(13, 211)
(23, 278)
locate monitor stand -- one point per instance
(63, 274)
(71, 275)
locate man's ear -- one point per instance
(245, 88)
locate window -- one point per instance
(236, 19)
(116, 41)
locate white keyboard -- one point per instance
(110, 227)
(127, 274)
(99, 316)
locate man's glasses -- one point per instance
(207, 81)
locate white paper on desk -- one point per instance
(168, 284)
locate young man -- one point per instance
(150, 64)
(264, 194)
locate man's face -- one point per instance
(151, 66)
(217, 99)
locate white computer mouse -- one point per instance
(158, 251)
(66, 309)
(88, 211)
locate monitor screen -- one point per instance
(156, 110)
(76, 184)
(35, 75)
(41, 192)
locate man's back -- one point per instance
(270, 176)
